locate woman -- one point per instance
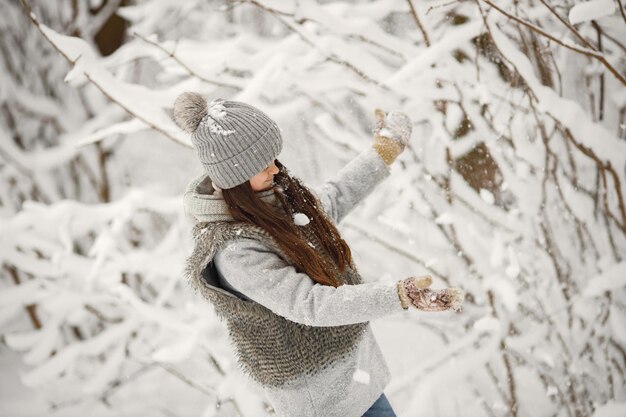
(270, 260)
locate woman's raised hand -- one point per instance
(414, 291)
(391, 135)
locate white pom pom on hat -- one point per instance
(189, 110)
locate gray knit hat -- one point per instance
(233, 140)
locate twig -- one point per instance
(483, 402)
(104, 188)
(602, 168)
(302, 20)
(601, 86)
(35, 21)
(183, 378)
(544, 376)
(101, 316)
(527, 90)
(612, 39)
(130, 112)
(441, 5)
(121, 382)
(570, 27)
(587, 52)
(31, 308)
(419, 23)
(400, 251)
(621, 10)
(513, 406)
(191, 72)
(91, 176)
(332, 57)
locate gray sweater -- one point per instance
(253, 271)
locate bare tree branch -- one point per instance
(191, 72)
(419, 23)
(35, 21)
(587, 52)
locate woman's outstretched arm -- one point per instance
(359, 177)
(353, 183)
(263, 276)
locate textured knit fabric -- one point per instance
(257, 285)
(201, 200)
(271, 349)
(235, 141)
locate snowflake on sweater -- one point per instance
(215, 112)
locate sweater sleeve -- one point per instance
(262, 275)
(353, 183)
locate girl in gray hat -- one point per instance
(269, 258)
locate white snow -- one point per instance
(361, 376)
(611, 409)
(504, 290)
(386, 132)
(591, 10)
(487, 196)
(445, 218)
(179, 350)
(571, 114)
(216, 109)
(146, 104)
(612, 279)
(513, 269)
(301, 219)
(215, 112)
(105, 278)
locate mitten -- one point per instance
(413, 291)
(391, 134)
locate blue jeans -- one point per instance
(381, 408)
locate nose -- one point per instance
(273, 168)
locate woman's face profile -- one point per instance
(263, 180)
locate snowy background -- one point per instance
(512, 188)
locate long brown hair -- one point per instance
(295, 197)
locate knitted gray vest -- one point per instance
(269, 348)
